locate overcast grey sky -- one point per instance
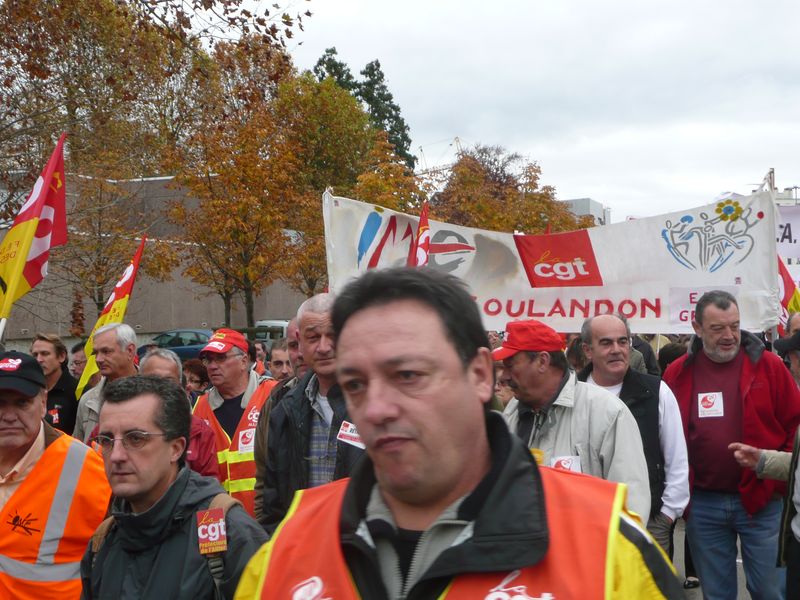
(647, 107)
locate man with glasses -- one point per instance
(152, 546)
(231, 407)
(53, 492)
(77, 363)
(201, 455)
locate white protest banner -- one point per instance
(788, 231)
(651, 270)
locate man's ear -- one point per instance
(697, 327)
(177, 446)
(481, 374)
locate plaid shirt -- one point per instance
(322, 442)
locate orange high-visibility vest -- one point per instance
(48, 521)
(237, 465)
(305, 560)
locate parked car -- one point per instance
(270, 329)
(186, 343)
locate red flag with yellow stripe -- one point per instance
(113, 312)
(41, 224)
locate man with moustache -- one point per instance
(231, 407)
(730, 389)
(53, 491)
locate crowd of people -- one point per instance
(391, 448)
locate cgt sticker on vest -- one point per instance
(310, 589)
(247, 440)
(506, 591)
(252, 416)
(211, 536)
(709, 404)
(349, 435)
(567, 463)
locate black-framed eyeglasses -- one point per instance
(132, 440)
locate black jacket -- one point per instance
(154, 554)
(650, 359)
(62, 405)
(508, 518)
(507, 508)
(288, 440)
(640, 394)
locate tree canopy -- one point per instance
(490, 188)
(373, 92)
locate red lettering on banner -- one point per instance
(531, 312)
(693, 297)
(627, 308)
(653, 306)
(557, 308)
(559, 260)
(514, 308)
(576, 304)
(492, 311)
(607, 307)
(512, 313)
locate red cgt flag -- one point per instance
(40, 225)
(422, 245)
(113, 312)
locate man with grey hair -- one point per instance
(201, 455)
(607, 344)
(310, 440)
(231, 407)
(730, 389)
(114, 350)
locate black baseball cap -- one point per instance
(20, 372)
(787, 344)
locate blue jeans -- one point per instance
(714, 522)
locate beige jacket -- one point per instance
(590, 423)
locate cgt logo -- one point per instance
(559, 260)
(310, 589)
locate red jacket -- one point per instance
(202, 453)
(770, 411)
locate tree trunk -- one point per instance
(227, 301)
(249, 305)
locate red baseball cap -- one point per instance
(531, 336)
(225, 339)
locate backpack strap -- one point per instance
(216, 562)
(99, 536)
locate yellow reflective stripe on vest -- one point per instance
(613, 530)
(222, 457)
(240, 485)
(240, 457)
